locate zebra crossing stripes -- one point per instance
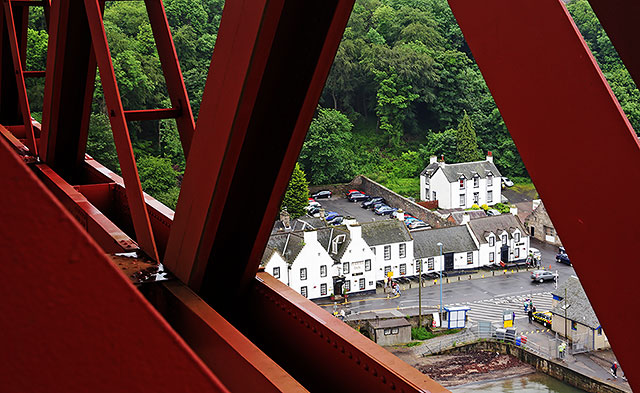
(492, 309)
(526, 332)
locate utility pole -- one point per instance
(565, 313)
(441, 269)
(420, 296)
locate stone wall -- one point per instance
(552, 368)
(537, 220)
(372, 188)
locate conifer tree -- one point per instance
(466, 141)
(297, 196)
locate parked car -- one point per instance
(384, 210)
(372, 201)
(353, 192)
(537, 255)
(321, 194)
(543, 275)
(506, 182)
(563, 258)
(357, 197)
(543, 317)
(503, 199)
(337, 220)
(493, 212)
(328, 216)
(377, 205)
(314, 211)
(410, 219)
(417, 225)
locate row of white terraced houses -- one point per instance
(353, 257)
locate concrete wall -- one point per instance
(552, 368)
(403, 336)
(372, 188)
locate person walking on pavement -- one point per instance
(614, 369)
(530, 315)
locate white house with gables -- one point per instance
(392, 246)
(461, 185)
(501, 239)
(459, 250)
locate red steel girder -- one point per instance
(139, 214)
(573, 138)
(256, 109)
(70, 320)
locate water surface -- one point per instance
(531, 383)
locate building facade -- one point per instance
(392, 246)
(461, 185)
(459, 250)
(500, 238)
(540, 225)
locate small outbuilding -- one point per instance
(390, 331)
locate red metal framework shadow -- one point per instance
(217, 326)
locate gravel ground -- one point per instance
(459, 369)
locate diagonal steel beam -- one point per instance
(574, 140)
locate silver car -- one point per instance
(543, 275)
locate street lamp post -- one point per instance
(441, 268)
(420, 295)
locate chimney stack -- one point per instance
(310, 236)
(489, 156)
(355, 231)
(285, 218)
(441, 163)
(400, 215)
(465, 218)
(433, 159)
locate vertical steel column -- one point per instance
(18, 53)
(262, 90)
(139, 214)
(573, 138)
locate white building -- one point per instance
(461, 185)
(392, 247)
(459, 250)
(501, 239)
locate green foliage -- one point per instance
(393, 100)
(508, 160)
(296, 198)
(501, 207)
(100, 143)
(413, 344)
(484, 207)
(474, 207)
(324, 154)
(156, 174)
(421, 333)
(466, 142)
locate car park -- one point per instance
(353, 192)
(543, 317)
(506, 182)
(372, 201)
(543, 275)
(384, 210)
(377, 205)
(336, 220)
(355, 197)
(328, 216)
(314, 211)
(321, 194)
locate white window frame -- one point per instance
(489, 179)
(489, 196)
(373, 250)
(304, 291)
(276, 272)
(470, 258)
(517, 252)
(347, 285)
(403, 269)
(362, 284)
(435, 197)
(323, 271)
(476, 197)
(505, 239)
(402, 250)
(476, 181)
(492, 241)
(323, 289)
(492, 256)
(345, 268)
(463, 200)
(462, 183)
(387, 253)
(516, 237)
(430, 263)
(303, 274)
(367, 265)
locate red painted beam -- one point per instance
(574, 140)
(152, 114)
(70, 320)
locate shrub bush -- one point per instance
(421, 333)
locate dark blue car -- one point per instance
(563, 258)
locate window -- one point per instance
(403, 250)
(476, 181)
(387, 253)
(418, 266)
(434, 196)
(373, 250)
(426, 192)
(476, 197)
(600, 331)
(387, 332)
(361, 284)
(462, 183)
(276, 272)
(489, 196)
(492, 256)
(387, 269)
(395, 330)
(516, 236)
(492, 241)
(303, 291)
(430, 264)
(517, 253)
(367, 265)
(504, 239)
(469, 258)
(574, 325)
(403, 269)
(345, 268)
(303, 273)
(323, 271)
(347, 285)
(549, 231)
(462, 200)
(323, 289)
(489, 179)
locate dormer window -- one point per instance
(516, 236)
(462, 183)
(504, 239)
(476, 181)
(489, 179)
(492, 241)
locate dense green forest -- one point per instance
(403, 86)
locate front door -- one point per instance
(448, 261)
(504, 254)
(338, 282)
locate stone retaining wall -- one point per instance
(552, 368)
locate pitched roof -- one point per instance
(453, 172)
(288, 245)
(389, 323)
(580, 308)
(430, 169)
(481, 227)
(376, 233)
(326, 236)
(473, 215)
(299, 224)
(453, 239)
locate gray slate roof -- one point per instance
(453, 172)
(496, 224)
(453, 239)
(326, 236)
(389, 323)
(288, 245)
(381, 232)
(473, 215)
(580, 310)
(299, 224)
